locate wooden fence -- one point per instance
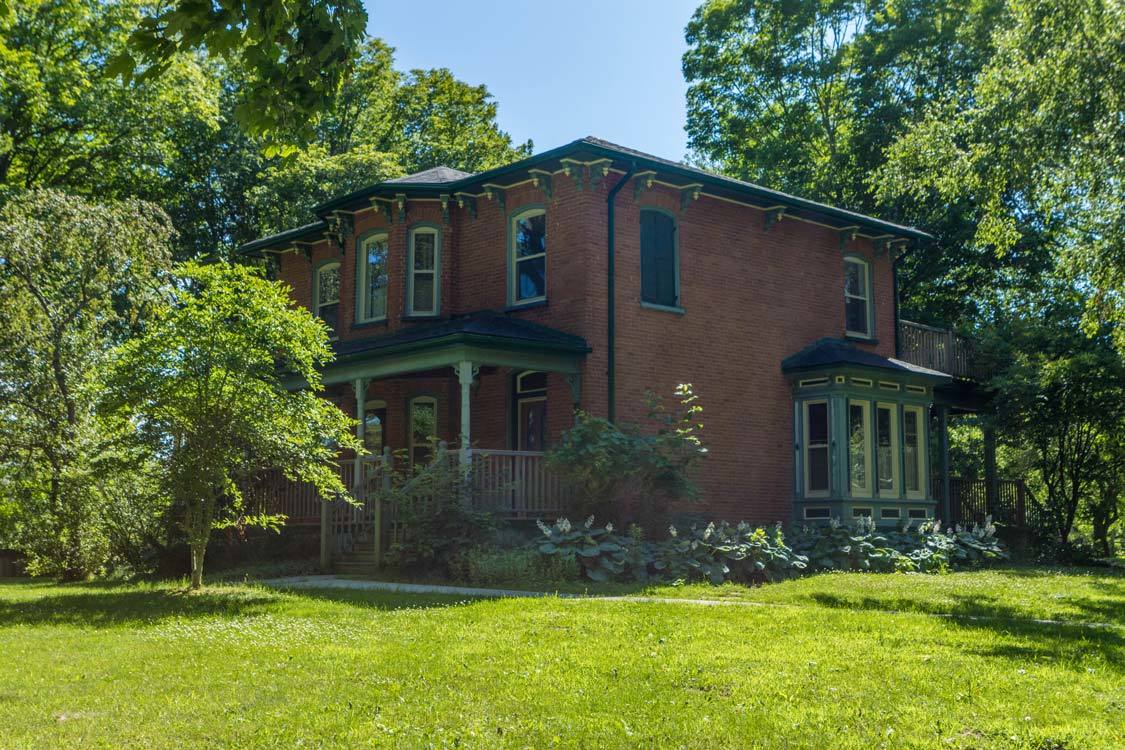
(938, 349)
(969, 501)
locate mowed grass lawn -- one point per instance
(822, 662)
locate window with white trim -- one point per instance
(425, 259)
(327, 289)
(423, 429)
(857, 297)
(528, 261)
(372, 278)
(887, 448)
(914, 451)
(859, 448)
(816, 456)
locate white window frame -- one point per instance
(513, 261)
(318, 303)
(806, 445)
(869, 312)
(853, 489)
(363, 296)
(411, 272)
(895, 450)
(920, 493)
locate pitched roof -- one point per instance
(829, 352)
(435, 176)
(487, 326)
(281, 238)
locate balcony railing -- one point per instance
(939, 349)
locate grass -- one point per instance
(149, 666)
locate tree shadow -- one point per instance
(106, 605)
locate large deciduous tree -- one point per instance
(206, 385)
(75, 276)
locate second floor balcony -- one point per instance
(940, 349)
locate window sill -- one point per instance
(413, 318)
(860, 339)
(526, 305)
(370, 323)
(674, 309)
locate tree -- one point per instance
(75, 277)
(205, 385)
(296, 52)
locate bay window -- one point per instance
(887, 448)
(914, 452)
(859, 448)
(817, 460)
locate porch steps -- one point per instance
(360, 561)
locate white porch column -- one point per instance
(465, 373)
(360, 388)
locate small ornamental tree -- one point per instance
(205, 386)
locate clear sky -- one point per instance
(559, 69)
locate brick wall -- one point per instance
(751, 297)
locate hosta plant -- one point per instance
(601, 554)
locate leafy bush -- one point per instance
(724, 552)
(489, 564)
(601, 554)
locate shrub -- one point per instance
(724, 552)
(489, 564)
(600, 553)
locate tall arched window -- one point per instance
(424, 272)
(371, 278)
(326, 295)
(660, 267)
(527, 266)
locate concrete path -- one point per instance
(335, 582)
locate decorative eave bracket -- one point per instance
(467, 201)
(586, 174)
(774, 214)
(444, 198)
(496, 192)
(305, 248)
(689, 194)
(643, 181)
(847, 234)
(400, 204)
(383, 206)
(542, 179)
(339, 228)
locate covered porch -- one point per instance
(487, 392)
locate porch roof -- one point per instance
(481, 338)
(832, 352)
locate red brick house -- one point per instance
(485, 308)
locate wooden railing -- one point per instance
(516, 484)
(938, 349)
(969, 501)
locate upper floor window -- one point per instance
(424, 264)
(528, 264)
(660, 271)
(372, 278)
(326, 290)
(857, 297)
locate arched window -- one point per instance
(857, 297)
(424, 272)
(660, 265)
(374, 426)
(326, 295)
(372, 278)
(527, 267)
(531, 411)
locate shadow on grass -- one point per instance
(104, 605)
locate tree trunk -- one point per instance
(197, 552)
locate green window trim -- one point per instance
(888, 449)
(917, 467)
(859, 448)
(865, 296)
(363, 309)
(414, 274)
(514, 262)
(317, 303)
(660, 259)
(808, 446)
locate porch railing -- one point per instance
(516, 484)
(969, 501)
(939, 349)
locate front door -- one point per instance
(532, 424)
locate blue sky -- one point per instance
(558, 70)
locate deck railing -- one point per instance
(939, 349)
(516, 484)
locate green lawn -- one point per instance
(832, 666)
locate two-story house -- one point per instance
(485, 308)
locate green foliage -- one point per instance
(601, 554)
(602, 460)
(927, 549)
(724, 552)
(488, 564)
(203, 386)
(75, 278)
(296, 52)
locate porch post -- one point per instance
(465, 376)
(943, 436)
(991, 483)
(360, 388)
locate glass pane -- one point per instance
(376, 279)
(329, 281)
(424, 246)
(818, 469)
(533, 425)
(910, 450)
(373, 422)
(532, 381)
(423, 429)
(883, 427)
(818, 423)
(857, 446)
(531, 235)
(855, 279)
(423, 301)
(330, 314)
(532, 278)
(855, 311)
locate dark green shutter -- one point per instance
(658, 258)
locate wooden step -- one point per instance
(347, 567)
